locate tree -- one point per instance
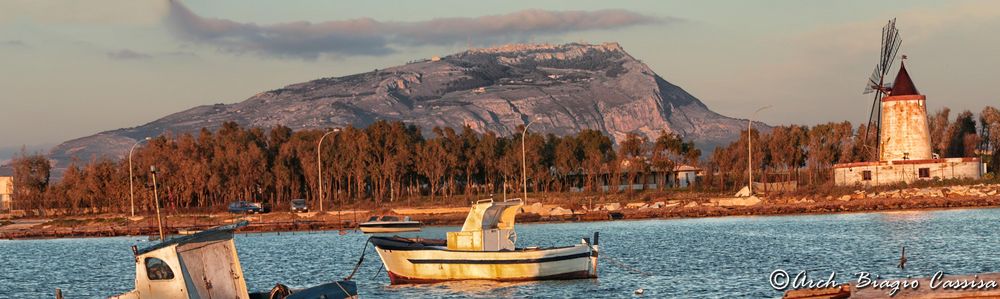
(31, 177)
(432, 163)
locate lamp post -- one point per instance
(131, 189)
(750, 149)
(319, 166)
(524, 163)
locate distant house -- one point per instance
(6, 188)
(680, 177)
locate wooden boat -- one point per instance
(389, 224)
(205, 265)
(484, 250)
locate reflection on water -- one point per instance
(709, 257)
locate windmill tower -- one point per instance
(901, 121)
(903, 125)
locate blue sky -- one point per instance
(72, 68)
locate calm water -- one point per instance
(712, 257)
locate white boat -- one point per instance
(205, 265)
(389, 224)
(484, 250)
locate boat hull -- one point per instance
(381, 229)
(390, 227)
(430, 264)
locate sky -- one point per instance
(72, 68)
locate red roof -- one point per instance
(903, 84)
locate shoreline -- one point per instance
(115, 225)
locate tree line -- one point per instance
(392, 161)
(386, 161)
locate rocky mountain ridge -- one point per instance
(567, 88)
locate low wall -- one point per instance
(905, 171)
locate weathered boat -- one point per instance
(484, 250)
(389, 224)
(205, 265)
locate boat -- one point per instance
(205, 265)
(484, 250)
(389, 224)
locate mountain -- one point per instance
(567, 87)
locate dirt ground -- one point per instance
(547, 208)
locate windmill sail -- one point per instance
(876, 82)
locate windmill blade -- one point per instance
(890, 46)
(871, 114)
(873, 81)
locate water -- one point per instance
(709, 257)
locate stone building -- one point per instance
(6, 188)
(905, 147)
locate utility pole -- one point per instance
(156, 198)
(524, 163)
(131, 189)
(750, 149)
(319, 167)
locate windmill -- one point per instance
(876, 83)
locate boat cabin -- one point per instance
(202, 265)
(489, 227)
(387, 218)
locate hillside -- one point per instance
(567, 87)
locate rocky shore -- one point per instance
(586, 208)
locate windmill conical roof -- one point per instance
(903, 84)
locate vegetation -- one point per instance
(391, 161)
(387, 161)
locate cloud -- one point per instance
(128, 12)
(366, 36)
(13, 44)
(126, 54)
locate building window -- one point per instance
(924, 172)
(157, 269)
(866, 175)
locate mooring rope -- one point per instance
(360, 260)
(380, 266)
(625, 267)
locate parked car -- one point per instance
(263, 207)
(242, 206)
(299, 205)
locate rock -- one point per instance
(635, 205)
(737, 201)
(657, 205)
(691, 205)
(535, 208)
(743, 192)
(844, 198)
(610, 91)
(560, 211)
(613, 206)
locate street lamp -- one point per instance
(319, 166)
(524, 163)
(750, 150)
(131, 189)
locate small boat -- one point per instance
(389, 224)
(484, 250)
(187, 232)
(205, 265)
